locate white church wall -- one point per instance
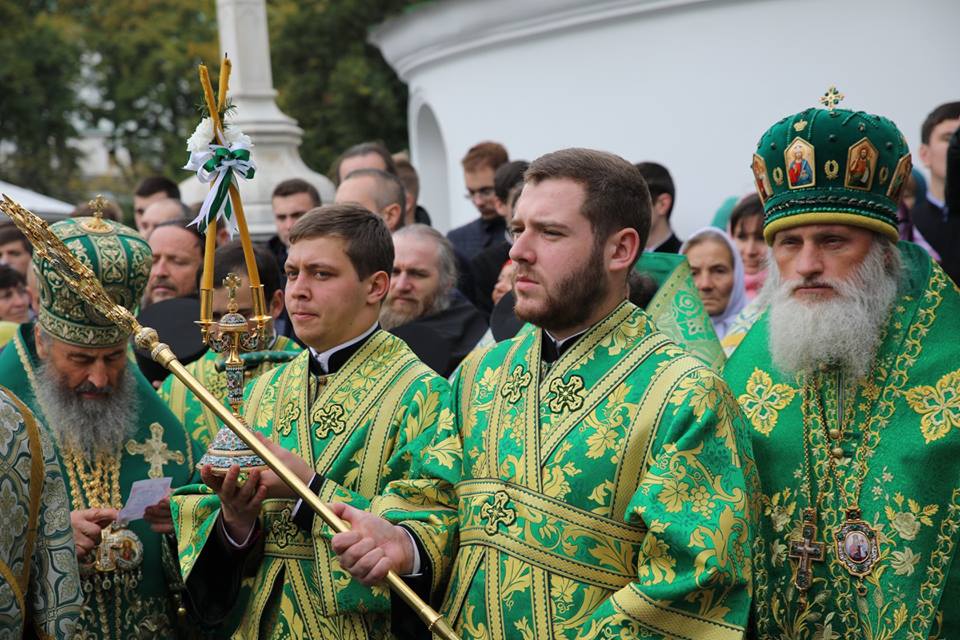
(690, 84)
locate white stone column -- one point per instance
(276, 136)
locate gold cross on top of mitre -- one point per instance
(831, 98)
(97, 206)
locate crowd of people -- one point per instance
(559, 420)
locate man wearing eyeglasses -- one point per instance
(479, 166)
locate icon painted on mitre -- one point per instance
(861, 165)
(764, 188)
(799, 159)
(899, 180)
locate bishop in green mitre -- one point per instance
(196, 416)
(40, 587)
(592, 481)
(850, 384)
(348, 415)
(108, 428)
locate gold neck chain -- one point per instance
(857, 542)
(858, 461)
(96, 485)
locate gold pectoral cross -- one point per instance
(806, 551)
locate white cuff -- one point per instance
(415, 572)
(233, 543)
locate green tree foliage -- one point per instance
(337, 86)
(129, 68)
(38, 68)
(142, 63)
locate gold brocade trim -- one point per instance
(601, 390)
(323, 562)
(493, 591)
(586, 345)
(467, 564)
(887, 229)
(376, 448)
(892, 385)
(531, 507)
(370, 350)
(261, 588)
(652, 404)
(468, 374)
(281, 541)
(293, 575)
(209, 378)
(493, 435)
(379, 395)
(541, 605)
(426, 534)
(670, 622)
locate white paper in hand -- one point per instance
(143, 494)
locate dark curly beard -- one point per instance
(570, 301)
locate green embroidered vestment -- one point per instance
(134, 603)
(602, 496)
(676, 308)
(196, 416)
(39, 583)
(360, 428)
(901, 434)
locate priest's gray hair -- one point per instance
(446, 260)
(90, 425)
(843, 331)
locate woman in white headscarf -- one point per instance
(718, 273)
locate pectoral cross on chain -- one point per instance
(806, 551)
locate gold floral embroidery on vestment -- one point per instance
(764, 400)
(939, 406)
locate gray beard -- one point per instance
(390, 319)
(89, 425)
(843, 331)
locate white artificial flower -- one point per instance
(233, 137)
(202, 136)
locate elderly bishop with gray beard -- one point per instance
(850, 382)
(109, 429)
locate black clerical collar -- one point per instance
(551, 349)
(330, 361)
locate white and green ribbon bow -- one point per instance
(218, 164)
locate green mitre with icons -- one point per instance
(831, 166)
(119, 257)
